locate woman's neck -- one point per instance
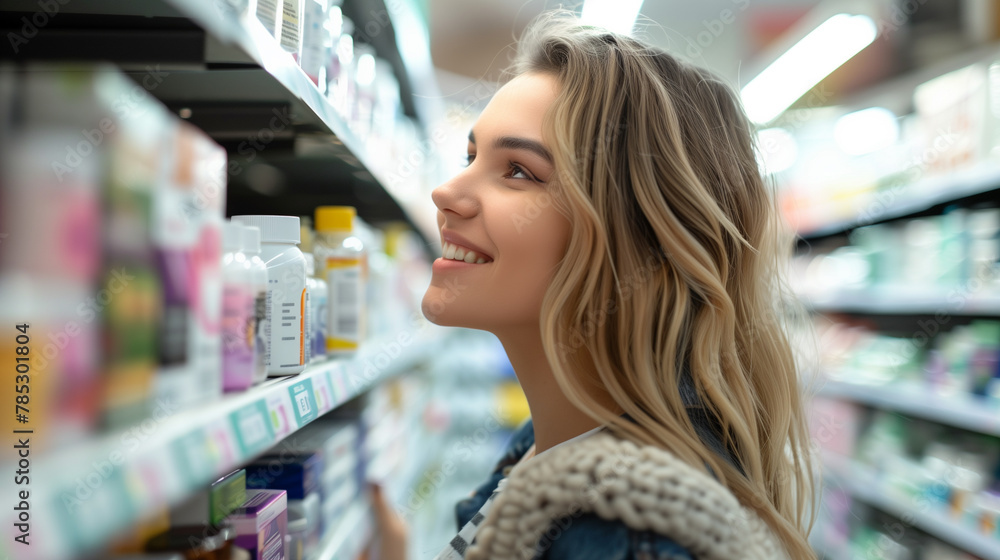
(554, 417)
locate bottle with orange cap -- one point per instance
(341, 256)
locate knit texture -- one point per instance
(645, 487)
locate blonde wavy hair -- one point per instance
(672, 266)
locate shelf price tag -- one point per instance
(339, 383)
(193, 453)
(321, 391)
(303, 401)
(222, 443)
(89, 523)
(254, 430)
(282, 414)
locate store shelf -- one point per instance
(248, 35)
(350, 537)
(904, 300)
(234, 78)
(913, 399)
(863, 484)
(905, 200)
(84, 496)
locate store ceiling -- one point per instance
(474, 38)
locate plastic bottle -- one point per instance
(258, 278)
(287, 298)
(318, 293)
(237, 312)
(340, 255)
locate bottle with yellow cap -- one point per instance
(341, 256)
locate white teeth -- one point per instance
(454, 252)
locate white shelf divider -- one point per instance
(915, 399)
(917, 197)
(863, 484)
(905, 300)
(84, 496)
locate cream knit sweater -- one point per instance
(645, 487)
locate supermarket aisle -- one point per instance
(216, 230)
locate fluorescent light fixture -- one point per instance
(778, 150)
(866, 131)
(801, 67)
(614, 15)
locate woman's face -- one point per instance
(501, 208)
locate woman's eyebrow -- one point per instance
(518, 143)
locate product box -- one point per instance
(188, 239)
(262, 523)
(296, 473)
(213, 505)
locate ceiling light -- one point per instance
(614, 15)
(805, 64)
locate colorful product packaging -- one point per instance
(262, 523)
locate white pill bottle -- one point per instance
(287, 298)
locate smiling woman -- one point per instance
(613, 231)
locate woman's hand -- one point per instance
(391, 530)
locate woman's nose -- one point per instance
(456, 197)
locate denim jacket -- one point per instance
(590, 537)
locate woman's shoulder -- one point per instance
(589, 537)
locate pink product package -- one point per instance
(262, 523)
(238, 326)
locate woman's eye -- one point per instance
(469, 159)
(517, 172)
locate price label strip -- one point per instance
(281, 413)
(254, 429)
(193, 457)
(321, 392)
(303, 402)
(339, 383)
(223, 446)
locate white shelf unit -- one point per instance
(920, 196)
(905, 300)
(85, 495)
(249, 37)
(913, 399)
(863, 484)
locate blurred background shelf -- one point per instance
(915, 399)
(99, 488)
(862, 483)
(926, 195)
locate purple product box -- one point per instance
(262, 523)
